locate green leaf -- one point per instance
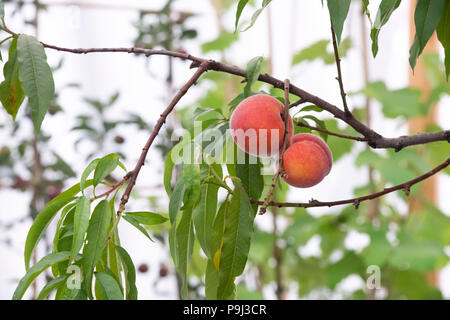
(36, 77)
(147, 218)
(168, 169)
(365, 5)
(338, 12)
(256, 14)
(222, 42)
(109, 287)
(211, 281)
(176, 200)
(45, 217)
(205, 210)
(105, 166)
(250, 175)
(184, 245)
(426, 18)
(379, 249)
(191, 180)
(319, 123)
(130, 273)
(50, 286)
(318, 50)
(81, 223)
(416, 255)
(11, 91)
(349, 264)
(96, 237)
(240, 7)
(238, 229)
(136, 224)
(253, 70)
(86, 172)
(443, 34)
(36, 270)
(403, 102)
(384, 13)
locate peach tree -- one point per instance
(218, 183)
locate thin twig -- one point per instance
(114, 187)
(339, 77)
(374, 139)
(406, 186)
(263, 207)
(305, 125)
(162, 119)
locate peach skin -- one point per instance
(306, 161)
(257, 125)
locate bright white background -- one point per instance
(296, 24)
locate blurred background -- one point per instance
(109, 102)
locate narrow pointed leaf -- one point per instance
(136, 224)
(130, 273)
(426, 18)
(86, 172)
(50, 286)
(45, 217)
(205, 210)
(105, 166)
(81, 223)
(338, 12)
(109, 287)
(36, 270)
(36, 77)
(96, 236)
(184, 244)
(443, 33)
(147, 218)
(236, 242)
(384, 12)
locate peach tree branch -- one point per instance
(374, 139)
(406, 186)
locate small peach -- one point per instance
(257, 125)
(306, 161)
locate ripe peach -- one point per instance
(257, 125)
(306, 161)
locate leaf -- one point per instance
(130, 273)
(240, 7)
(253, 70)
(109, 287)
(238, 229)
(383, 14)
(184, 245)
(443, 34)
(222, 42)
(96, 236)
(168, 169)
(80, 226)
(176, 200)
(45, 217)
(86, 172)
(426, 18)
(50, 286)
(11, 91)
(147, 218)
(250, 175)
(319, 123)
(403, 102)
(349, 264)
(318, 50)
(338, 12)
(136, 224)
(105, 166)
(256, 14)
(36, 270)
(365, 7)
(191, 180)
(205, 210)
(36, 77)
